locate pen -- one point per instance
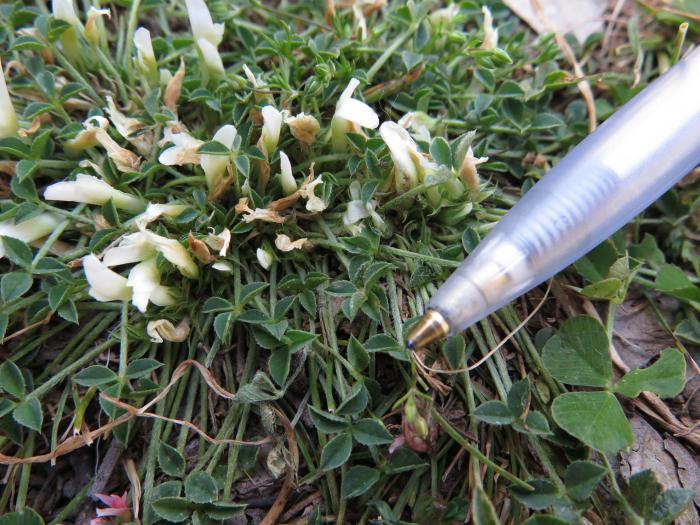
(604, 182)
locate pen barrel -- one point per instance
(604, 182)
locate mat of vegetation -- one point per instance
(219, 221)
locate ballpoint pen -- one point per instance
(604, 182)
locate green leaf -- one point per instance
(545, 121)
(25, 169)
(666, 377)
(581, 477)
(216, 304)
(382, 343)
(11, 379)
(26, 517)
(336, 452)
(213, 148)
(222, 325)
(484, 513)
(494, 413)
(596, 418)
(200, 487)
(453, 350)
(578, 354)
(518, 396)
(95, 375)
(357, 355)
(355, 402)
(298, 339)
(371, 432)
(535, 423)
(27, 43)
(35, 109)
(17, 251)
(341, 288)
(440, 151)
(279, 364)
(222, 510)
(358, 480)
(14, 285)
(326, 422)
(68, 311)
(242, 164)
(28, 413)
(607, 289)
(545, 494)
(643, 489)
(669, 505)
(141, 368)
(170, 460)
(175, 510)
(673, 281)
(249, 291)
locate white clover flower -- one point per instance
(272, 125)
(155, 211)
(162, 329)
(201, 23)
(304, 128)
(358, 210)
(264, 258)
(444, 15)
(350, 116)
(410, 166)
(144, 281)
(65, 11)
(490, 34)
(8, 117)
(222, 266)
(285, 244)
(419, 123)
(91, 31)
(207, 35)
(105, 284)
(174, 252)
(28, 230)
(132, 248)
(289, 184)
(91, 190)
(468, 172)
(95, 133)
(145, 56)
(219, 242)
(314, 204)
(211, 56)
(214, 166)
(184, 150)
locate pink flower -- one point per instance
(117, 508)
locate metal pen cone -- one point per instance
(431, 327)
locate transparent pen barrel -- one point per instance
(609, 178)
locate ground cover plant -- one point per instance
(219, 221)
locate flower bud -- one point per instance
(304, 128)
(91, 190)
(272, 125)
(410, 166)
(145, 56)
(28, 230)
(207, 35)
(264, 258)
(490, 34)
(92, 28)
(289, 185)
(8, 117)
(214, 166)
(350, 116)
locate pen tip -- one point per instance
(431, 327)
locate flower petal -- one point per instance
(91, 190)
(143, 279)
(105, 285)
(357, 112)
